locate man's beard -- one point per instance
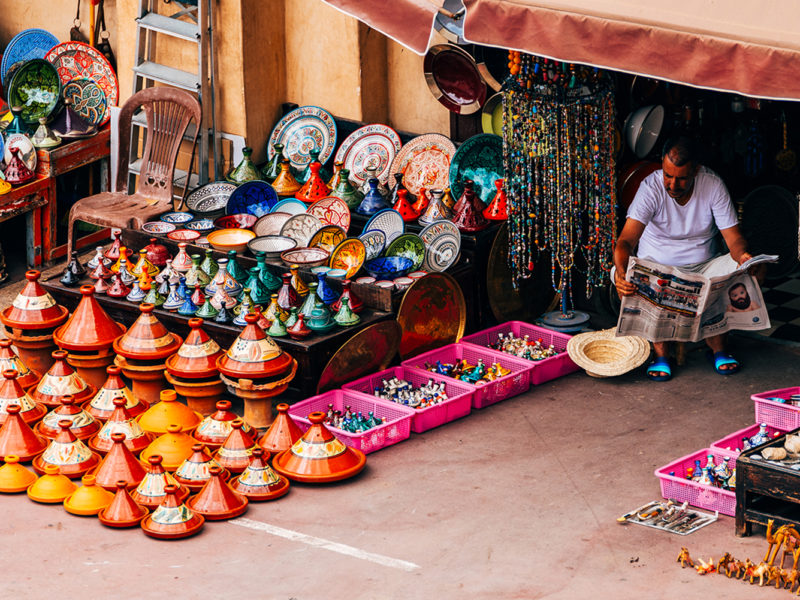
(741, 303)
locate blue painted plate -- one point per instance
(177, 218)
(26, 45)
(374, 242)
(388, 267)
(254, 197)
(293, 206)
(201, 225)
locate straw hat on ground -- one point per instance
(603, 354)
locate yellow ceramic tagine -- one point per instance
(14, 477)
(173, 446)
(89, 499)
(169, 411)
(52, 487)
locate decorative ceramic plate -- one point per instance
(437, 228)
(305, 257)
(453, 79)
(26, 45)
(480, 159)
(300, 228)
(304, 129)
(292, 206)
(492, 115)
(327, 237)
(210, 197)
(238, 220)
(374, 242)
(24, 145)
(388, 267)
(442, 245)
(177, 218)
(331, 210)
(410, 246)
(425, 163)
(349, 255)
(76, 59)
(389, 221)
(36, 88)
(254, 197)
(183, 235)
(88, 99)
(158, 227)
(271, 245)
(369, 146)
(271, 223)
(201, 225)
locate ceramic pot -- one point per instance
(315, 188)
(498, 207)
(194, 472)
(216, 427)
(83, 425)
(245, 171)
(273, 167)
(18, 439)
(89, 329)
(373, 201)
(73, 458)
(174, 447)
(468, 215)
(10, 361)
(89, 499)
(234, 454)
(150, 492)
(282, 433)
(52, 487)
(201, 394)
(436, 209)
(60, 381)
(147, 339)
(102, 405)
(172, 519)
(121, 421)
(159, 417)
(285, 184)
(123, 511)
(15, 478)
(345, 191)
(217, 500)
(119, 465)
(258, 482)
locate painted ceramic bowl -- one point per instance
(201, 225)
(417, 274)
(388, 267)
(230, 239)
(306, 257)
(36, 87)
(365, 280)
(177, 218)
(183, 235)
(337, 273)
(209, 200)
(383, 283)
(158, 227)
(402, 283)
(321, 269)
(237, 221)
(271, 245)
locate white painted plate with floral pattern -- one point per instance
(373, 145)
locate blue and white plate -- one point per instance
(253, 197)
(389, 221)
(201, 225)
(26, 45)
(177, 218)
(293, 206)
(304, 129)
(374, 242)
(158, 227)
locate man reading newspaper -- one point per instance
(674, 220)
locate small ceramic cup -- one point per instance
(385, 284)
(417, 274)
(320, 269)
(402, 283)
(365, 280)
(337, 273)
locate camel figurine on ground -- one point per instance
(785, 536)
(684, 558)
(793, 575)
(705, 567)
(761, 570)
(727, 563)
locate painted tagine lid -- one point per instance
(12, 393)
(319, 456)
(215, 428)
(121, 421)
(52, 487)
(83, 425)
(14, 478)
(147, 339)
(89, 329)
(468, 211)
(254, 354)
(217, 500)
(33, 308)
(18, 439)
(258, 481)
(282, 433)
(89, 499)
(10, 360)
(123, 510)
(150, 492)
(285, 184)
(315, 187)
(498, 207)
(197, 356)
(235, 452)
(102, 405)
(119, 465)
(157, 253)
(159, 417)
(61, 380)
(194, 471)
(174, 446)
(172, 519)
(68, 453)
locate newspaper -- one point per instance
(670, 304)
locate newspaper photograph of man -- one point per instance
(740, 300)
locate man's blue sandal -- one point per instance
(722, 358)
(659, 369)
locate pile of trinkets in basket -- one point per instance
(463, 371)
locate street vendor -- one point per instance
(675, 219)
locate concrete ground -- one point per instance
(518, 500)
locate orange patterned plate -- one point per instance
(349, 256)
(327, 237)
(331, 211)
(425, 162)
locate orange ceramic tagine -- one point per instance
(150, 492)
(83, 426)
(174, 447)
(217, 500)
(319, 456)
(119, 465)
(404, 207)
(52, 487)
(285, 184)
(315, 188)
(172, 519)
(89, 329)
(89, 499)
(9, 360)
(73, 458)
(136, 438)
(197, 357)
(61, 380)
(12, 393)
(123, 510)
(147, 339)
(194, 471)
(159, 417)
(282, 433)
(254, 354)
(15, 478)
(102, 405)
(258, 481)
(18, 439)
(234, 454)
(33, 308)
(215, 428)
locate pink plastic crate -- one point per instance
(396, 428)
(780, 416)
(732, 444)
(513, 384)
(457, 405)
(542, 370)
(677, 487)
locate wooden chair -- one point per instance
(169, 112)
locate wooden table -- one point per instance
(29, 199)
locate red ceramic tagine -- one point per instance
(123, 510)
(215, 428)
(197, 357)
(258, 481)
(147, 339)
(468, 212)
(12, 393)
(121, 421)
(119, 465)
(315, 188)
(356, 305)
(89, 329)
(194, 472)
(404, 207)
(282, 433)
(102, 405)
(498, 207)
(18, 439)
(60, 381)
(217, 501)
(83, 426)
(157, 253)
(150, 492)
(116, 243)
(234, 454)
(172, 519)
(33, 308)
(319, 456)
(16, 171)
(68, 453)
(421, 205)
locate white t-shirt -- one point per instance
(678, 235)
